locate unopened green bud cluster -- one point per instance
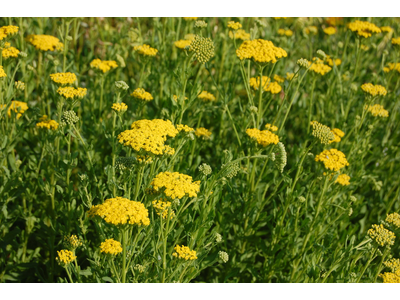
(205, 169)
(69, 117)
(203, 48)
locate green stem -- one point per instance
(371, 258)
(123, 232)
(311, 104)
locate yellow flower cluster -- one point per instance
(202, 132)
(206, 96)
(184, 252)
(260, 51)
(377, 110)
(386, 29)
(149, 136)
(162, 206)
(145, 50)
(182, 44)
(271, 127)
(72, 241)
(363, 28)
(239, 35)
(268, 86)
(279, 79)
(119, 107)
(311, 30)
(396, 41)
(203, 48)
(394, 219)
(263, 137)
(286, 32)
(333, 159)
(119, 211)
(330, 30)
(381, 235)
(111, 246)
(343, 179)
(234, 25)
(185, 128)
(394, 276)
(322, 132)
(63, 78)
(374, 90)
(388, 277)
(71, 92)
(18, 107)
(45, 42)
(391, 67)
(290, 76)
(65, 257)
(338, 134)
(141, 94)
(144, 159)
(332, 61)
(103, 65)
(175, 98)
(175, 185)
(10, 51)
(6, 31)
(46, 123)
(2, 73)
(319, 67)
(190, 18)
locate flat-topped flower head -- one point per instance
(261, 51)
(119, 107)
(391, 67)
(262, 137)
(142, 95)
(374, 90)
(234, 25)
(203, 49)
(182, 44)
(63, 78)
(239, 35)
(103, 65)
(71, 92)
(338, 134)
(319, 67)
(203, 133)
(184, 128)
(271, 127)
(279, 79)
(394, 219)
(206, 96)
(381, 235)
(377, 110)
(46, 123)
(330, 30)
(268, 86)
(184, 252)
(121, 211)
(8, 31)
(322, 132)
(45, 42)
(9, 51)
(145, 50)
(65, 257)
(332, 159)
(111, 246)
(363, 28)
(285, 32)
(389, 277)
(163, 208)
(396, 41)
(2, 73)
(18, 107)
(387, 29)
(343, 179)
(175, 185)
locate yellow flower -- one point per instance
(182, 44)
(44, 42)
(71, 92)
(390, 277)
(162, 207)
(319, 67)
(184, 252)
(72, 241)
(279, 79)
(322, 132)
(141, 94)
(268, 86)
(290, 76)
(394, 219)
(47, 123)
(202, 132)
(271, 127)
(286, 32)
(120, 211)
(363, 28)
(175, 185)
(330, 30)
(2, 73)
(190, 18)
(332, 61)
(234, 25)
(184, 128)
(239, 35)
(387, 29)
(264, 137)
(65, 257)
(63, 78)
(119, 107)
(111, 246)
(332, 159)
(10, 52)
(343, 179)
(103, 65)
(203, 48)
(206, 96)
(260, 51)
(381, 235)
(396, 41)
(391, 67)
(338, 134)
(377, 110)
(145, 50)
(18, 107)
(374, 90)
(6, 31)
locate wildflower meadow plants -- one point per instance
(199, 150)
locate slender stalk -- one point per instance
(370, 259)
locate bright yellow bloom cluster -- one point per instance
(338, 134)
(46, 123)
(279, 79)
(386, 29)
(10, 51)
(149, 136)
(45, 42)
(319, 67)
(330, 30)
(145, 50)
(311, 30)
(119, 211)
(65, 257)
(333, 159)
(206, 96)
(263, 137)
(363, 28)
(190, 18)
(286, 32)
(322, 132)
(203, 48)
(184, 252)
(144, 159)
(6, 31)
(111, 246)
(103, 65)
(260, 51)
(271, 127)
(18, 107)
(332, 61)
(119, 107)
(175, 185)
(71, 92)
(185, 128)
(239, 35)
(394, 219)
(396, 41)
(388, 277)
(343, 179)
(290, 76)
(381, 235)
(377, 110)
(394, 265)
(182, 44)
(374, 90)
(234, 25)
(268, 86)
(72, 241)
(141, 94)
(203, 132)
(391, 67)
(162, 207)
(2, 73)
(63, 78)
(175, 98)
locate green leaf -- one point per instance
(59, 189)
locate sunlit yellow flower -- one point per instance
(234, 25)
(330, 30)
(206, 96)
(363, 28)
(332, 159)
(65, 257)
(18, 107)
(263, 137)
(377, 110)
(261, 51)
(45, 42)
(381, 235)
(184, 252)
(111, 246)
(268, 86)
(63, 78)
(145, 50)
(103, 65)
(141, 94)
(203, 132)
(374, 90)
(46, 123)
(343, 179)
(175, 185)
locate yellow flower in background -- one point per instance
(182, 44)
(271, 127)
(141, 94)
(261, 51)
(44, 42)
(103, 65)
(190, 18)
(391, 67)
(9, 51)
(72, 241)
(330, 30)
(184, 252)
(374, 90)
(363, 28)
(239, 35)
(286, 32)
(377, 110)
(338, 134)
(2, 73)
(390, 277)
(7, 31)
(319, 67)
(18, 107)
(145, 50)
(234, 25)
(65, 257)
(206, 96)
(268, 86)
(343, 179)
(119, 107)
(63, 78)
(264, 137)
(185, 128)
(46, 123)
(332, 61)
(332, 159)
(381, 235)
(71, 92)
(387, 29)
(111, 246)
(396, 41)
(175, 185)
(203, 132)
(394, 219)
(279, 79)
(163, 207)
